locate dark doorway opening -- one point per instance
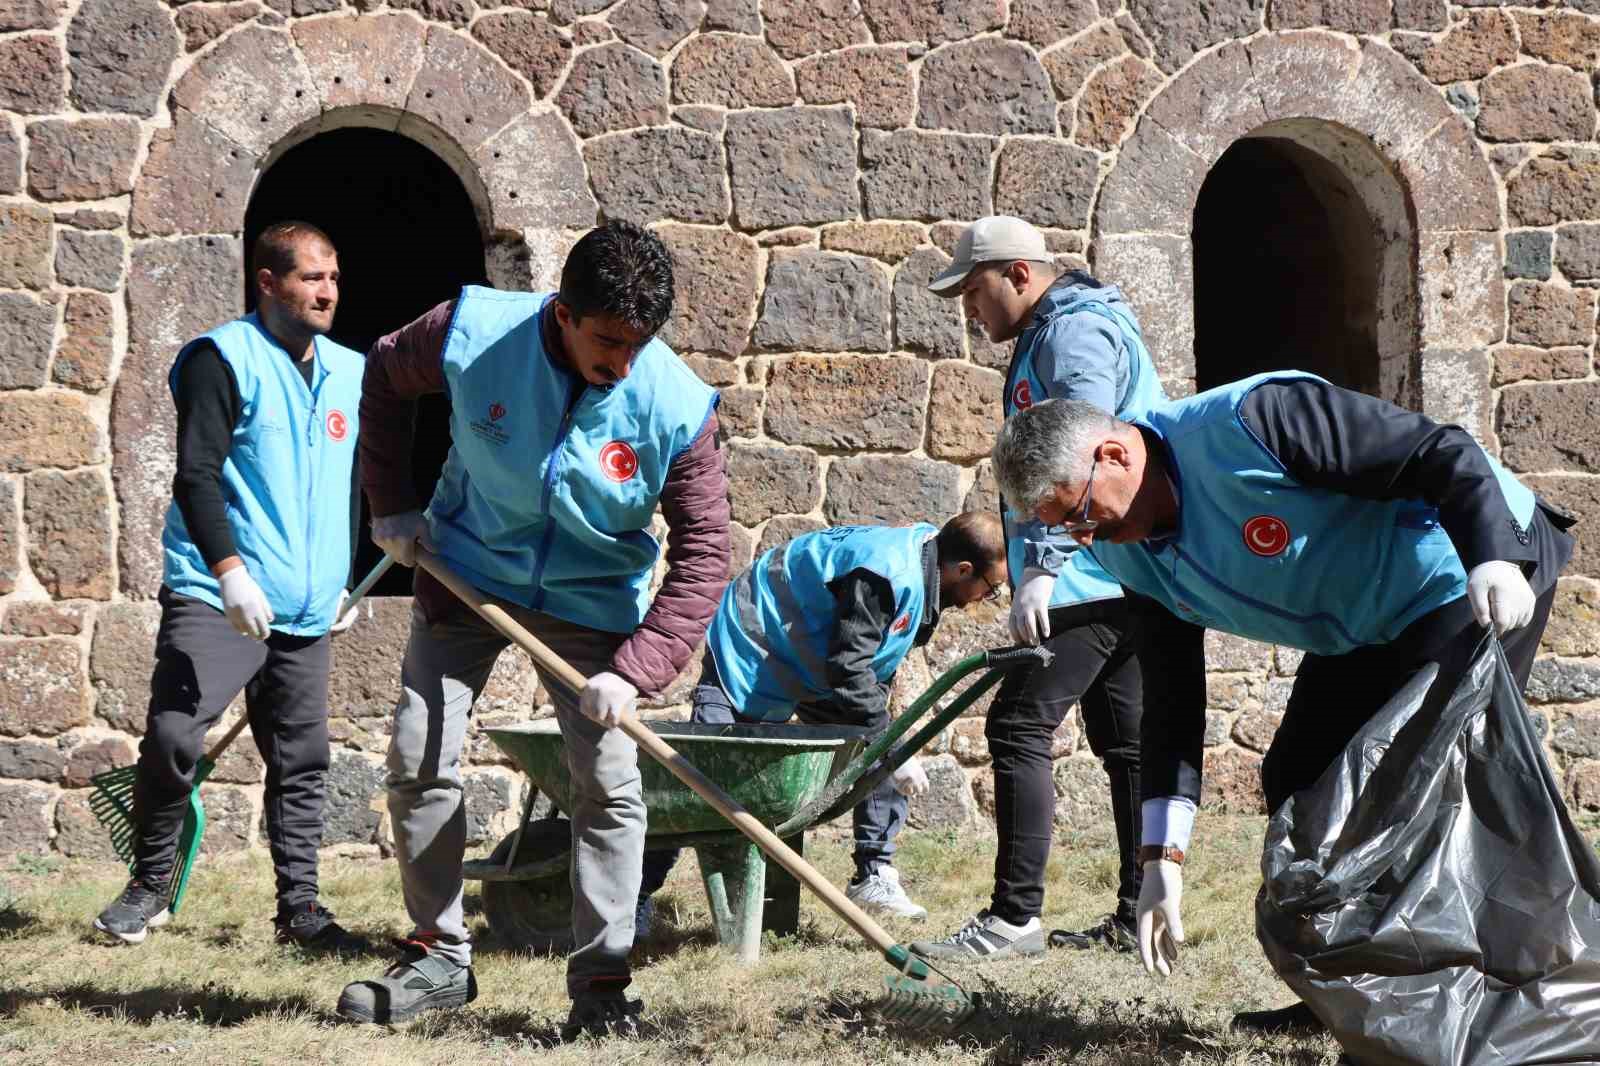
(408, 238)
(1286, 269)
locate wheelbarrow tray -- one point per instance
(773, 771)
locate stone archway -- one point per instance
(1365, 110)
(247, 99)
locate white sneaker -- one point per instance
(881, 893)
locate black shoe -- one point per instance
(421, 981)
(1112, 933)
(1297, 1020)
(602, 1016)
(141, 908)
(644, 918)
(312, 927)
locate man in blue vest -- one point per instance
(815, 629)
(570, 422)
(1075, 339)
(1284, 509)
(257, 552)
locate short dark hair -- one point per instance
(619, 269)
(275, 247)
(975, 537)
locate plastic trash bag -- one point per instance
(1429, 897)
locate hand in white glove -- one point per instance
(1030, 607)
(1160, 925)
(245, 604)
(1500, 594)
(606, 698)
(399, 534)
(342, 621)
(909, 778)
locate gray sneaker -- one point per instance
(421, 981)
(132, 915)
(985, 938)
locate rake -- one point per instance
(111, 802)
(912, 997)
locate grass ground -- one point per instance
(213, 988)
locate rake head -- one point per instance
(111, 802)
(922, 997)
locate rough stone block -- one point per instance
(201, 24)
(95, 757)
(949, 803)
(30, 15)
(1578, 734)
(364, 680)
(803, 27)
(891, 490)
(370, 60)
(1578, 496)
(1463, 293)
(24, 246)
(1574, 627)
(1232, 782)
(1220, 100)
(1455, 389)
(1153, 187)
(83, 360)
(783, 529)
(10, 159)
(1478, 44)
(491, 810)
(848, 402)
(1513, 364)
(1563, 37)
(1226, 652)
(765, 480)
(120, 660)
(1577, 250)
(1178, 32)
(1583, 786)
(1551, 427)
(1562, 185)
(824, 301)
(534, 175)
(530, 45)
(32, 76)
(1046, 182)
(876, 80)
(194, 180)
(44, 618)
(1533, 102)
(916, 20)
(924, 321)
(32, 760)
(24, 819)
(462, 91)
(655, 26)
(717, 277)
(740, 410)
(353, 782)
(455, 13)
(889, 241)
(1528, 254)
(1450, 186)
(89, 260)
(735, 16)
(910, 174)
(663, 172)
(230, 820)
(1255, 730)
(989, 86)
(1070, 65)
(713, 371)
(10, 536)
(42, 687)
(27, 331)
(1429, 15)
(68, 518)
(1564, 681)
(1550, 315)
(731, 72)
(963, 411)
(1083, 794)
(79, 834)
(1044, 22)
(1111, 99)
(252, 88)
(1347, 16)
(792, 167)
(87, 159)
(48, 429)
(984, 495)
(1156, 274)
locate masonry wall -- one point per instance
(810, 164)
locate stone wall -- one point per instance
(810, 163)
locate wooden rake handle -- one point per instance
(663, 753)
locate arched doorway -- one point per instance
(408, 238)
(1303, 259)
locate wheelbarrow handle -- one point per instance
(1019, 655)
(663, 753)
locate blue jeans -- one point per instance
(877, 819)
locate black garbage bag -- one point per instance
(1429, 897)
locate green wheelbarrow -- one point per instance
(791, 777)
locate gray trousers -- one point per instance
(446, 666)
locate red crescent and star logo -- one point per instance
(1022, 396)
(497, 411)
(1266, 535)
(901, 624)
(337, 425)
(618, 462)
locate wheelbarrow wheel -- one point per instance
(533, 915)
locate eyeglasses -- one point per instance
(1084, 524)
(993, 595)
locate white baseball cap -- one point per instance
(997, 238)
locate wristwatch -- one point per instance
(1155, 852)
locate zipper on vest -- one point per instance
(1303, 619)
(314, 475)
(562, 430)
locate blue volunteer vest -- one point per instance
(771, 632)
(1082, 579)
(545, 504)
(286, 480)
(1261, 556)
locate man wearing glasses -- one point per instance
(1075, 338)
(816, 629)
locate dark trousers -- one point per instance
(201, 665)
(876, 820)
(1095, 664)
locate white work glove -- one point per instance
(909, 778)
(399, 534)
(606, 698)
(1160, 925)
(342, 621)
(1030, 607)
(1500, 594)
(245, 604)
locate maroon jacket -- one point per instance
(410, 362)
